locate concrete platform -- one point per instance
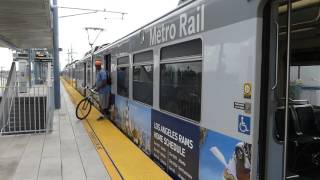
(122, 158)
(66, 153)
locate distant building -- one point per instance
(32, 64)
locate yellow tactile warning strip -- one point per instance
(112, 170)
(107, 161)
(129, 160)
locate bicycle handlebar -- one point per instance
(91, 90)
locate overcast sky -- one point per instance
(72, 32)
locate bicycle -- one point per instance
(84, 106)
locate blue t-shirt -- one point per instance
(102, 75)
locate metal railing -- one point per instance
(27, 112)
(7, 94)
(3, 77)
(3, 81)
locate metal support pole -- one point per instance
(29, 67)
(92, 62)
(56, 68)
(285, 151)
(1, 77)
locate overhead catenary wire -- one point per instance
(91, 11)
(71, 15)
(98, 10)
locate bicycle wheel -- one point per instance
(83, 109)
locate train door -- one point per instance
(77, 76)
(84, 71)
(107, 67)
(89, 72)
(107, 62)
(74, 75)
(290, 108)
(94, 71)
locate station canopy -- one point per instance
(25, 24)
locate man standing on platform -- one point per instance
(103, 89)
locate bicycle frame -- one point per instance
(90, 97)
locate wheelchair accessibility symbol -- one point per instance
(244, 124)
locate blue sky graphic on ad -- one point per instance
(141, 115)
(210, 166)
(121, 104)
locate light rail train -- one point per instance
(219, 89)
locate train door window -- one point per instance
(84, 83)
(107, 60)
(180, 79)
(305, 84)
(76, 72)
(143, 77)
(88, 72)
(123, 76)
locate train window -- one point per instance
(143, 83)
(143, 57)
(180, 88)
(123, 60)
(190, 48)
(180, 80)
(123, 81)
(123, 76)
(143, 77)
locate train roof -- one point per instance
(148, 35)
(182, 5)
